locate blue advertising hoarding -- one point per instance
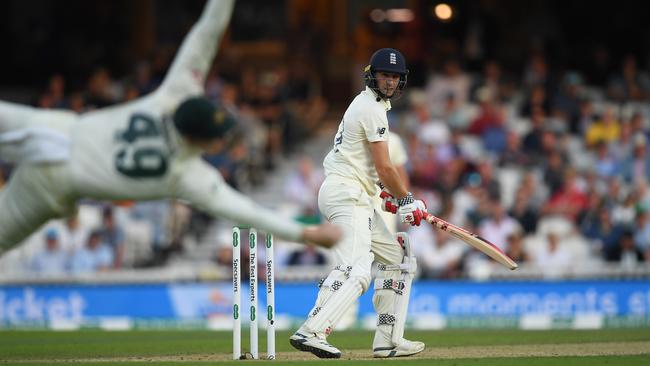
(192, 301)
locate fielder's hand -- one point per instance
(325, 235)
(411, 210)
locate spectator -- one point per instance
(499, 226)
(231, 162)
(488, 181)
(642, 234)
(438, 254)
(532, 142)
(636, 166)
(624, 213)
(554, 171)
(302, 187)
(102, 90)
(629, 84)
(625, 252)
(553, 260)
(587, 116)
(111, 234)
(56, 91)
(569, 200)
(607, 129)
(537, 72)
(493, 80)
(95, 256)
(143, 81)
(513, 154)
(454, 114)
(604, 233)
(452, 80)
(307, 256)
(425, 169)
(491, 115)
(516, 250)
(52, 260)
(622, 148)
(157, 214)
(74, 236)
(524, 212)
(566, 104)
(536, 101)
(639, 125)
(606, 165)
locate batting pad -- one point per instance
(391, 298)
(331, 312)
(332, 283)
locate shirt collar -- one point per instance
(385, 103)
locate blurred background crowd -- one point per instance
(533, 134)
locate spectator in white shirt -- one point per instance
(499, 226)
(438, 254)
(303, 185)
(553, 260)
(73, 236)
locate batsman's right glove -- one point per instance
(411, 210)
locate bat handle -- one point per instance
(428, 218)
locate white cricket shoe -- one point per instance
(310, 342)
(406, 348)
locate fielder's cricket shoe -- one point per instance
(310, 342)
(406, 348)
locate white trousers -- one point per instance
(343, 202)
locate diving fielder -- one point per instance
(358, 160)
(132, 151)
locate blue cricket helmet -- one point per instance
(387, 60)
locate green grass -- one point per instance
(142, 347)
(557, 361)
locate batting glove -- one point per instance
(388, 201)
(411, 210)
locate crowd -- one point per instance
(74, 250)
(553, 171)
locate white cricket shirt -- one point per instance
(364, 122)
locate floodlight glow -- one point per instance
(443, 11)
(377, 15)
(400, 15)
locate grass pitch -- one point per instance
(450, 347)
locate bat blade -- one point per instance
(474, 240)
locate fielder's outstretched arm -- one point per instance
(205, 189)
(187, 73)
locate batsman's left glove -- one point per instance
(388, 201)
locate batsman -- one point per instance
(359, 160)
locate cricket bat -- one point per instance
(472, 239)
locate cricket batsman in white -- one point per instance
(359, 160)
(147, 149)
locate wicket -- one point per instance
(270, 294)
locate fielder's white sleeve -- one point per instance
(206, 190)
(187, 73)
